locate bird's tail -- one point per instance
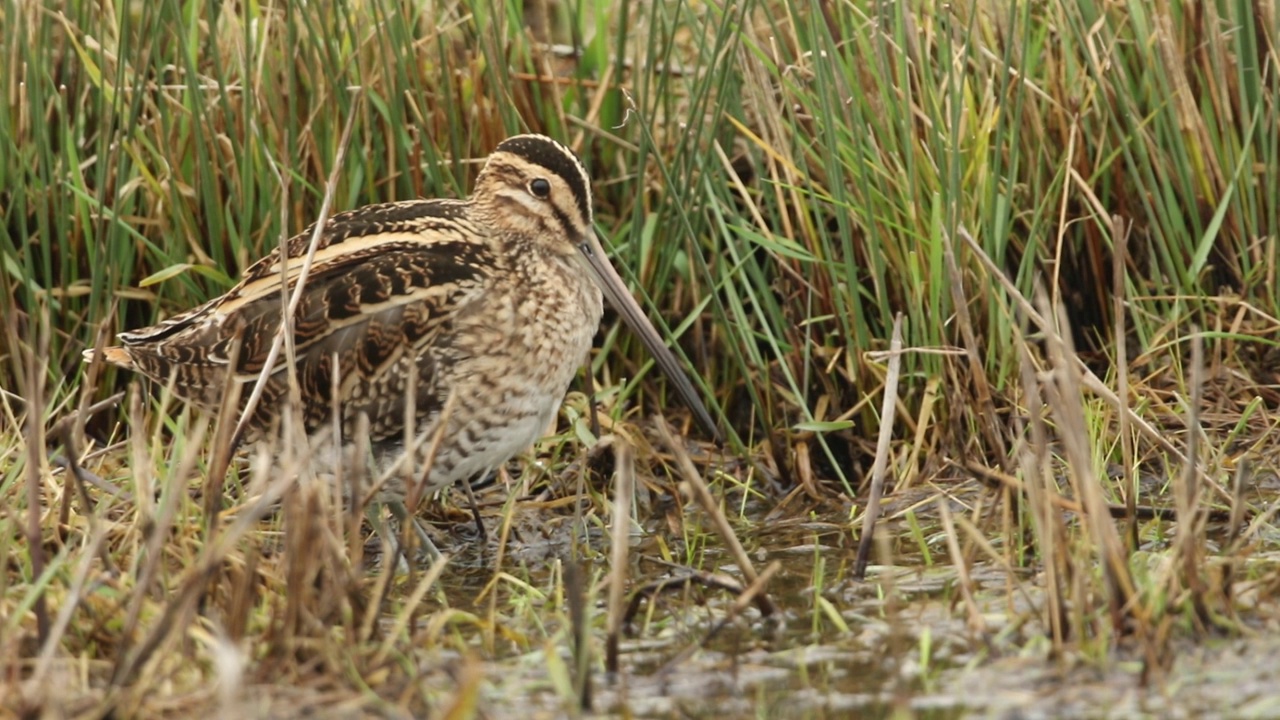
(116, 355)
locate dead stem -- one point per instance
(77, 480)
(33, 384)
(70, 422)
(1088, 378)
(1128, 479)
(285, 332)
(1190, 528)
(703, 496)
(977, 372)
(878, 469)
(157, 537)
(1064, 391)
(1115, 510)
(752, 594)
(976, 623)
(619, 551)
(37, 686)
(224, 444)
(404, 618)
(190, 586)
(575, 590)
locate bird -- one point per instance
(473, 315)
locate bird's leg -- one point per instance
(403, 515)
(388, 536)
(475, 509)
(591, 401)
(399, 510)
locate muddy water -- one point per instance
(846, 652)
(674, 666)
(902, 643)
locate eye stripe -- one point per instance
(557, 159)
(566, 225)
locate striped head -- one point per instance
(534, 186)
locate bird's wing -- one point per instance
(385, 284)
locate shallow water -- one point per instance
(902, 643)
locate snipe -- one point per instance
(493, 300)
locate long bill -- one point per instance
(616, 291)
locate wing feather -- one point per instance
(386, 282)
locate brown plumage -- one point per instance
(494, 299)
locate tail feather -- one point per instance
(115, 355)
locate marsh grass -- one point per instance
(778, 180)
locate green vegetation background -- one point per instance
(778, 179)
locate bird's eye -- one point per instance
(540, 187)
